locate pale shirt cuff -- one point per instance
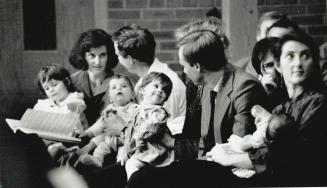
(176, 125)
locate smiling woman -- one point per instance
(94, 55)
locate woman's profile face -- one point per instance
(96, 59)
(296, 62)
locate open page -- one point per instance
(51, 126)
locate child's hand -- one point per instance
(75, 102)
(83, 151)
(261, 115)
(76, 133)
(85, 137)
(84, 134)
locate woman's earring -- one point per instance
(281, 81)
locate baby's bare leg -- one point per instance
(99, 153)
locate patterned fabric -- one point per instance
(112, 121)
(148, 138)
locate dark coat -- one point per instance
(237, 93)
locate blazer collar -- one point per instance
(225, 88)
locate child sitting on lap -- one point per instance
(148, 140)
(107, 132)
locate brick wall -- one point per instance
(310, 14)
(162, 17)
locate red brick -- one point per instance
(304, 28)
(290, 2)
(136, 3)
(172, 24)
(116, 24)
(318, 30)
(206, 3)
(174, 3)
(163, 35)
(167, 56)
(158, 14)
(157, 3)
(261, 2)
(289, 10)
(308, 19)
(218, 3)
(312, 9)
(312, 2)
(191, 13)
(190, 3)
(115, 4)
(274, 2)
(319, 40)
(124, 14)
(149, 24)
(171, 45)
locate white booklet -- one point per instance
(48, 125)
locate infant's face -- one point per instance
(120, 91)
(55, 90)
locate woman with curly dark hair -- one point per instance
(94, 56)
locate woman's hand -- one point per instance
(222, 154)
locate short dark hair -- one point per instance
(260, 51)
(161, 77)
(55, 72)
(137, 42)
(315, 81)
(92, 38)
(204, 47)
